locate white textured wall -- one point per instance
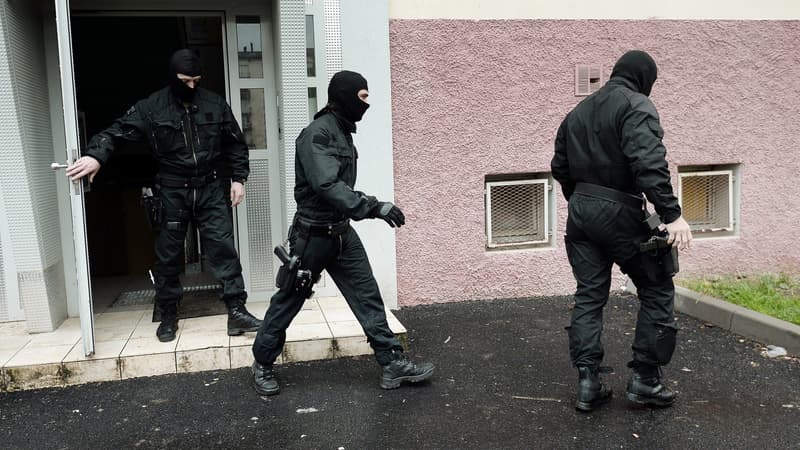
(593, 9)
(365, 49)
(28, 184)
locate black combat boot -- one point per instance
(264, 380)
(402, 369)
(169, 323)
(591, 390)
(645, 387)
(240, 320)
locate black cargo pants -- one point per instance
(343, 256)
(207, 207)
(600, 233)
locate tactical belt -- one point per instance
(184, 182)
(597, 191)
(317, 229)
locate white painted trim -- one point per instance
(731, 200)
(545, 182)
(592, 9)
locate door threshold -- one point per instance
(126, 346)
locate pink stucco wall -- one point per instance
(472, 98)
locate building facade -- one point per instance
(479, 89)
(68, 68)
(466, 97)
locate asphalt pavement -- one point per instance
(503, 380)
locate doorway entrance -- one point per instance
(118, 60)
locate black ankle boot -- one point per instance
(264, 380)
(240, 320)
(591, 391)
(169, 323)
(402, 369)
(645, 387)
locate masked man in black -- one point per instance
(322, 238)
(191, 131)
(608, 152)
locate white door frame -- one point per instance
(68, 98)
(269, 155)
(233, 87)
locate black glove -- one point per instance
(390, 213)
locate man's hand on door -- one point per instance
(85, 165)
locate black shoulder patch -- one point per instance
(320, 139)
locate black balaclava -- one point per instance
(343, 95)
(187, 62)
(639, 68)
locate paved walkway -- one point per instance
(126, 345)
(503, 380)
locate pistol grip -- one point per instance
(282, 254)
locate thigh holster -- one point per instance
(291, 276)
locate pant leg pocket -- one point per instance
(664, 342)
(573, 343)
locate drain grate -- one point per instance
(145, 296)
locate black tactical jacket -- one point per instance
(613, 139)
(325, 173)
(186, 141)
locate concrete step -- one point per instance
(126, 346)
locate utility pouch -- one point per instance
(282, 278)
(671, 261)
(151, 202)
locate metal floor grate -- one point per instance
(145, 296)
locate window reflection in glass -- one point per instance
(254, 121)
(248, 38)
(312, 103)
(311, 66)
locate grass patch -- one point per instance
(774, 295)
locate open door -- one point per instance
(76, 188)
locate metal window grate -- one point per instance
(707, 200)
(588, 78)
(516, 213)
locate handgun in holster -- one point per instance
(152, 207)
(290, 275)
(659, 248)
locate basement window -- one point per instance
(708, 196)
(518, 211)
